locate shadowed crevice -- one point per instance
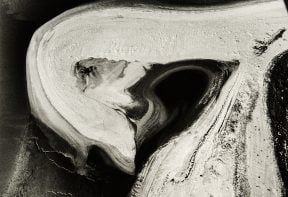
(184, 89)
(277, 102)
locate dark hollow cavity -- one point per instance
(182, 89)
(277, 102)
(184, 92)
(180, 92)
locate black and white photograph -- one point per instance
(143, 98)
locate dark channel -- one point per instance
(43, 177)
(277, 108)
(179, 92)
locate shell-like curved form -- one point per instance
(107, 76)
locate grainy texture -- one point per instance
(277, 105)
(14, 108)
(227, 151)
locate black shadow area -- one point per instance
(277, 102)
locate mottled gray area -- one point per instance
(13, 97)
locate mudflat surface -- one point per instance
(43, 176)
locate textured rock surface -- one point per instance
(228, 150)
